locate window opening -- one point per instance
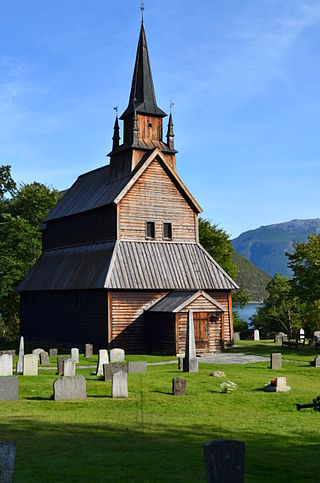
(150, 230)
(167, 231)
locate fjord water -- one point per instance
(248, 311)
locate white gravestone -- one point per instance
(6, 365)
(190, 362)
(120, 385)
(256, 334)
(30, 365)
(103, 359)
(75, 355)
(19, 368)
(301, 334)
(69, 367)
(117, 355)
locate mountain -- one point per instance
(266, 246)
(251, 278)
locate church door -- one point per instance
(201, 330)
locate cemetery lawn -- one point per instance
(153, 436)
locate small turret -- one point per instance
(170, 134)
(135, 129)
(116, 136)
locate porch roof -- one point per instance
(176, 301)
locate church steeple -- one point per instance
(170, 134)
(116, 135)
(142, 95)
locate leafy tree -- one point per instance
(282, 310)
(7, 184)
(20, 243)
(305, 263)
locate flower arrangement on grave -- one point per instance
(228, 387)
(271, 383)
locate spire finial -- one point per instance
(116, 109)
(171, 105)
(142, 9)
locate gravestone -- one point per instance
(224, 460)
(236, 336)
(179, 386)
(301, 335)
(69, 388)
(19, 368)
(44, 358)
(7, 456)
(317, 361)
(279, 337)
(137, 366)
(110, 369)
(180, 363)
(60, 363)
(6, 365)
(217, 374)
(11, 352)
(280, 386)
(9, 389)
(69, 367)
(190, 362)
(275, 360)
(316, 334)
(120, 385)
(37, 352)
(117, 355)
(30, 365)
(256, 334)
(75, 355)
(53, 352)
(88, 351)
(103, 359)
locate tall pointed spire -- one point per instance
(170, 133)
(116, 135)
(142, 96)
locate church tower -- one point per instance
(142, 121)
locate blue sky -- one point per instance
(244, 76)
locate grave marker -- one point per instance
(179, 386)
(256, 334)
(275, 360)
(88, 351)
(137, 366)
(44, 358)
(19, 368)
(75, 355)
(117, 355)
(30, 365)
(69, 367)
(53, 352)
(224, 460)
(236, 336)
(103, 359)
(6, 365)
(110, 369)
(279, 386)
(37, 352)
(190, 362)
(120, 385)
(317, 361)
(69, 388)
(9, 389)
(7, 456)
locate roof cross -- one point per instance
(116, 109)
(171, 105)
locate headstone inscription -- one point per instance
(69, 388)
(236, 336)
(224, 460)
(137, 366)
(9, 389)
(88, 352)
(19, 368)
(102, 359)
(256, 334)
(6, 365)
(190, 362)
(117, 355)
(30, 365)
(69, 367)
(53, 352)
(37, 352)
(7, 456)
(120, 385)
(75, 355)
(110, 369)
(44, 358)
(179, 386)
(275, 360)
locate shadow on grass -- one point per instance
(162, 392)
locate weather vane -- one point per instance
(171, 105)
(116, 109)
(142, 8)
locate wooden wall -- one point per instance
(94, 226)
(155, 197)
(65, 317)
(127, 327)
(223, 296)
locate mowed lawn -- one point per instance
(154, 436)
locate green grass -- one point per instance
(153, 436)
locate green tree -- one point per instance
(7, 184)
(282, 310)
(20, 244)
(305, 263)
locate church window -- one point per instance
(167, 231)
(150, 230)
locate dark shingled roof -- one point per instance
(176, 301)
(128, 265)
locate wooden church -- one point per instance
(121, 262)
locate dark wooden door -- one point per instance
(201, 330)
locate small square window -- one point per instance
(167, 231)
(150, 230)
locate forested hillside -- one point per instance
(251, 278)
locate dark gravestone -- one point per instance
(7, 455)
(88, 351)
(44, 358)
(275, 360)
(9, 389)
(69, 388)
(179, 386)
(180, 363)
(110, 369)
(224, 460)
(53, 352)
(137, 366)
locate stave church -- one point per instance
(121, 263)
